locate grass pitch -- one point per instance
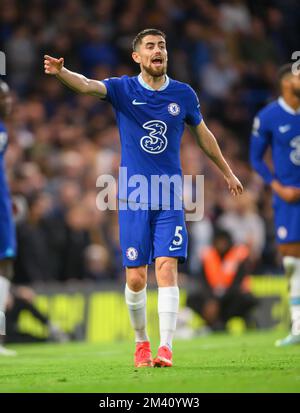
(219, 363)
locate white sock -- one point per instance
(292, 267)
(168, 304)
(136, 303)
(4, 290)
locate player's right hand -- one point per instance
(53, 66)
(234, 185)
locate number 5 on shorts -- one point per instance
(177, 235)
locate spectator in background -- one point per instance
(219, 77)
(76, 241)
(69, 193)
(256, 47)
(97, 263)
(245, 225)
(33, 262)
(235, 16)
(223, 290)
(21, 55)
(96, 50)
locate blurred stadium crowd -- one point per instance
(60, 142)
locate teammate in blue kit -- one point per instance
(278, 126)
(151, 111)
(7, 229)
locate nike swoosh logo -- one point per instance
(134, 102)
(284, 128)
(174, 249)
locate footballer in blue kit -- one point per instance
(278, 126)
(7, 228)
(151, 124)
(151, 112)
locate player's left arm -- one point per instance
(210, 147)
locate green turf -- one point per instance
(220, 363)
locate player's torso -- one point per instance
(285, 129)
(151, 125)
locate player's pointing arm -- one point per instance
(73, 80)
(210, 147)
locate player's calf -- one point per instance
(292, 268)
(2, 323)
(4, 291)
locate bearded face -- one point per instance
(296, 90)
(152, 55)
(157, 66)
(294, 85)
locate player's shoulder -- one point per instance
(268, 111)
(117, 80)
(184, 91)
(120, 87)
(181, 86)
(264, 119)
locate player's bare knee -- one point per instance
(166, 265)
(136, 278)
(136, 284)
(166, 272)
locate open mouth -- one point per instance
(157, 61)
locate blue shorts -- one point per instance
(7, 229)
(148, 234)
(287, 220)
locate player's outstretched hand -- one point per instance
(234, 185)
(53, 66)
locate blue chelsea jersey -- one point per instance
(7, 228)
(277, 126)
(151, 124)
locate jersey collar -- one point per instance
(287, 108)
(146, 86)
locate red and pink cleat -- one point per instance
(142, 355)
(163, 358)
